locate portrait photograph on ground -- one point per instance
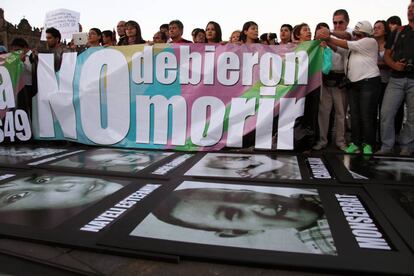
(241, 216)
(47, 200)
(111, 160)
(313, 226)
(397, 202)
(253, 166)
(376, 169)
(20, 154)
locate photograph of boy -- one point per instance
(247, 166)
(108, 159)
(241, 216)
(17, 154)
(46, 200)
(379, 167)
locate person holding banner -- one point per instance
(199, 35)
(332, 95)
(213, 32)
(249, 33)
(302, 33)
(175, 30)
(235, 37)
(159, 37)
(24, 97)
(108, 38)
(133, 34)
(94, 38)
(285, 34)
(309, 129)
(54, 46)
(120, 29)
(364, 81)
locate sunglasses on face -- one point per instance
(358, 35)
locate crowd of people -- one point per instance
(368, 73)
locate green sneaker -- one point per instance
(367, 149)
(352, 148)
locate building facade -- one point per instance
(8, 32)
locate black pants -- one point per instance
(24, 99)
(363, 103)
(306, 127)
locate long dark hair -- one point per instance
(246, 26)
(386, 28)
(297, 29)
(217, 28)
(138, 38)
(99, 33)
(320, 26)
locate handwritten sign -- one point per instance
(66, 21)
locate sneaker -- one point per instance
(367, 149)
(384, 151)
(318, 147)
(352, 148)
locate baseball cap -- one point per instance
(363, 27)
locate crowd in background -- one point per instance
(368, 75)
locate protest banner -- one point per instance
(172, 96)
(66, 21)
(14, 122)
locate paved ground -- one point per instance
(38, 259)
(28, 258)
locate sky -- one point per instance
(230, 14)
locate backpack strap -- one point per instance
(400, 29)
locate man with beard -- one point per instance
(332, 94)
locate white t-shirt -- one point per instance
(338, 59)
(363, 59)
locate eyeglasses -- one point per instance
(338, 22)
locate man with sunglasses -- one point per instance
(340, 21)
(399, 56)
(333, 96)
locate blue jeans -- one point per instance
(363, 102)
(397, 90)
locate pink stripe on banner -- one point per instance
(250, 124)
(225, 93)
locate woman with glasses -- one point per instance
(363, 78)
